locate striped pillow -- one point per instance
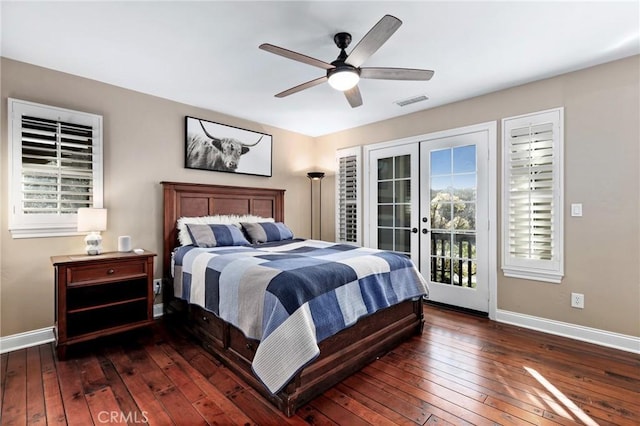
(264, 232)
(214, 235)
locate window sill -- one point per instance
(45, 232)
(535, 275)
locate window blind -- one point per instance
(347, 197)
(348, 231)
(531, 181)
(57, 166)
(532, 196)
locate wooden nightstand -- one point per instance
(101, 295)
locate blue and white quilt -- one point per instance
(292, 295)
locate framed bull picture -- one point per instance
(221, 148)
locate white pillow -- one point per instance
(185, 238)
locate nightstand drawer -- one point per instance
(104, 271)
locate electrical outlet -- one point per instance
(157, 286)
(577, 300)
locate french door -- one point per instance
(430, 199)
(454, 215)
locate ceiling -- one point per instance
(206, 53)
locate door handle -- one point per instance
(425, 231)
(414, 230)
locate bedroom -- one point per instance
(601, 107)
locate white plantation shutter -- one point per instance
(348, 195)
(531, 192)
(57, 175)
(56, 168)
(532, 196)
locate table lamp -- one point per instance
(93, 221)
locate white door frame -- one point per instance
(491, 128)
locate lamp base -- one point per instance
(93, 243)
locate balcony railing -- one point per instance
(452, 262)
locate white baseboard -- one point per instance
(26, 339)
(157, 310)
(572, 331)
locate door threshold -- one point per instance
(457, 308)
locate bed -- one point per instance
(322, 364)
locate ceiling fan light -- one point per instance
(344, 79)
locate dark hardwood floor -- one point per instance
(462, 370)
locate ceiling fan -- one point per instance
(344, 73)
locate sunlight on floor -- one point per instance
(562, 398)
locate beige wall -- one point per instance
(602, 159)
(143, 145)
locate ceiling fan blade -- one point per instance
(302, 86)
(295, 56)
(353, 96)
(396, 74)
(372, 41)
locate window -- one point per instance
(348, 195)
(55, 167)
(532, 199)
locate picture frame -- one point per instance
(222, 148)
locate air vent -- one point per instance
(412, 100)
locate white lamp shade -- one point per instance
(90, 219)
(344, 80)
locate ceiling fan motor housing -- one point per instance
(340, 66)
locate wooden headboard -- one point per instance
(192, 199)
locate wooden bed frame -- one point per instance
(340, 355)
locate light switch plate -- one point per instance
(576, 209)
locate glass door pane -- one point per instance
(453, 177)
(394, 203)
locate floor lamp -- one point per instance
(316, 176)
